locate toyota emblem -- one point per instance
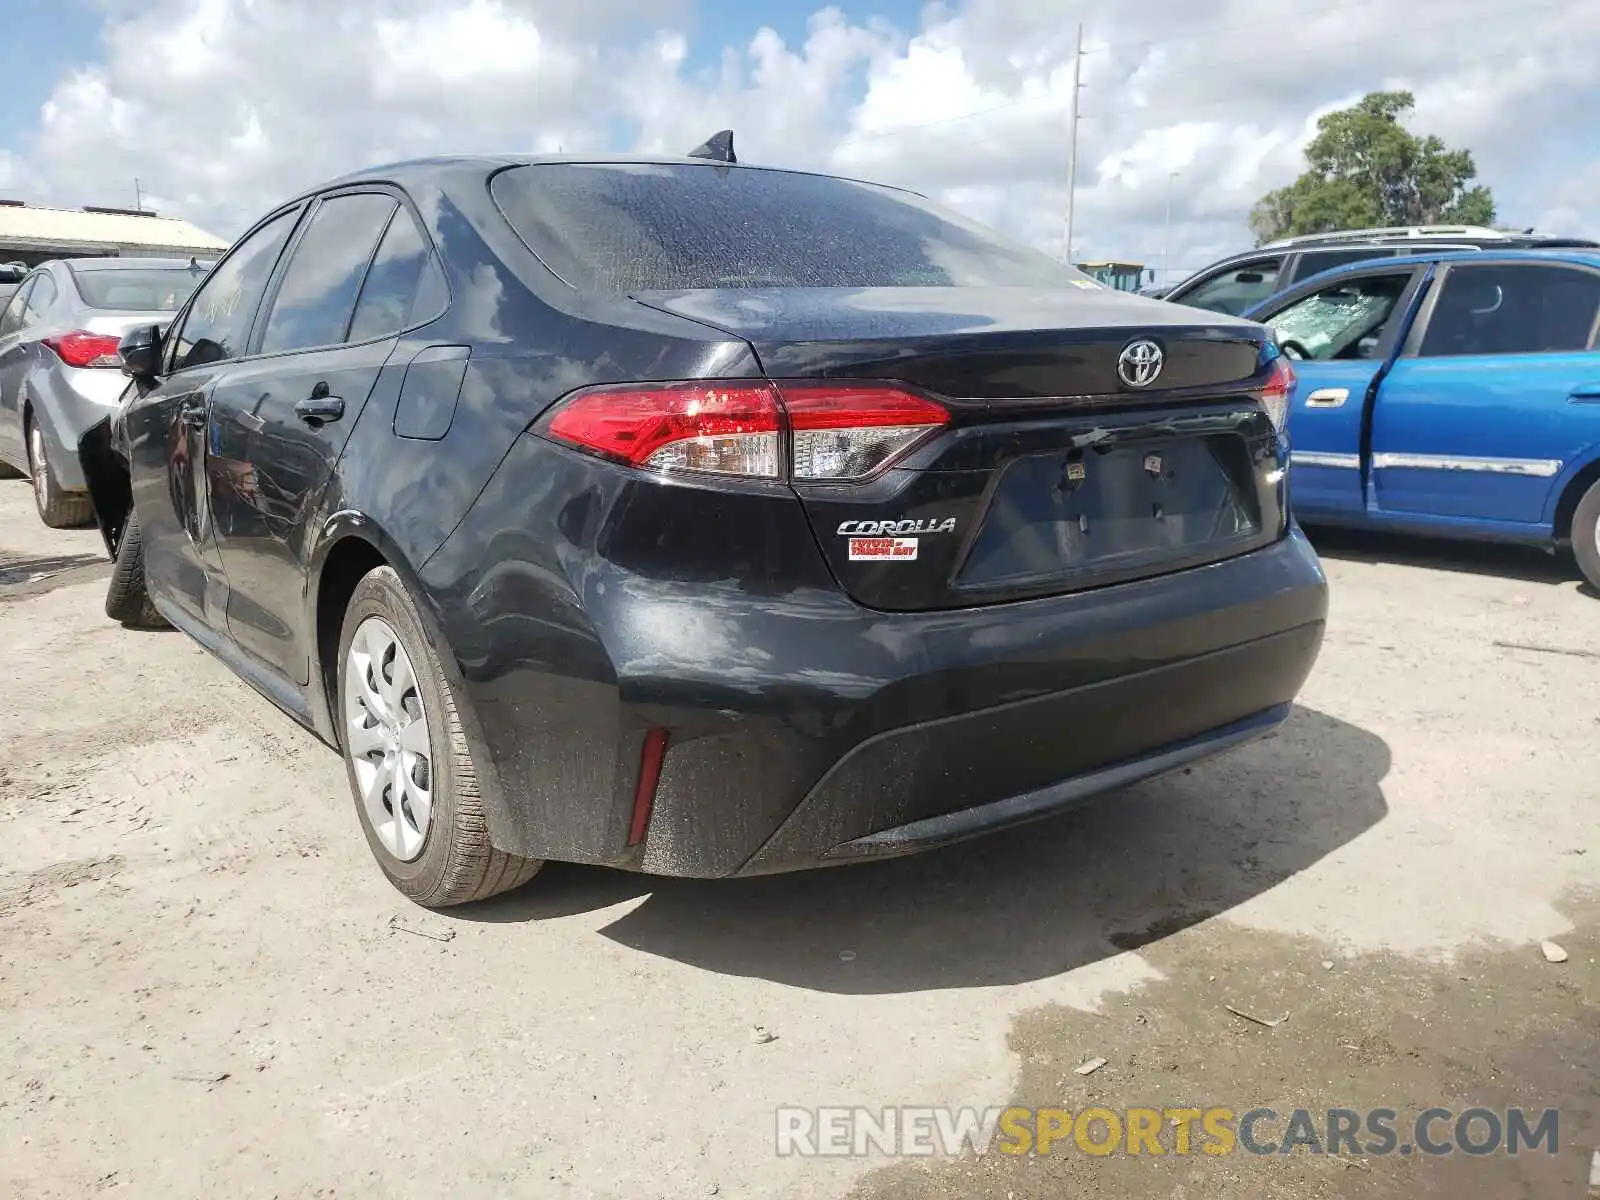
(1140, 363)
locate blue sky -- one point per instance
(46, 39)
(221, 107)
(43, 39)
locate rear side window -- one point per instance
(640, 227)
(1502, 309)
(1235, 290)
(389, 294)
(315, 301)
(137, 290)
(218, 323)
(1314, 262)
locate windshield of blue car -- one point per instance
(153, 289)
(644, 227)
(1341, 321)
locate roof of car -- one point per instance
(129, 264)
(417, 170)
(1587, 257)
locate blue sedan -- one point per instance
(1454, 394)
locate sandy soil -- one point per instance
(206, 988)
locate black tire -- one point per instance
(127, 597)
(57, 509)
(1586, 535)
(457, 863)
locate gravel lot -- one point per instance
(206, 988)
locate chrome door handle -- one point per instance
(1327, 398)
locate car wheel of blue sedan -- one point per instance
(410, 768)
(1586, 535)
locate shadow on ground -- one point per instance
(1117, 872)
(1527, 563)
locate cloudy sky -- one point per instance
(222, 107)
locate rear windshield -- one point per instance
(138, 290)
(640, 227)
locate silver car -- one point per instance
(59, 369)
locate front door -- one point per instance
(1340, 336)
(171, 443)
(1474, 422)
(282, 419)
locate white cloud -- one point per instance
(222, 107)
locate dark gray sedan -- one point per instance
(59, 370)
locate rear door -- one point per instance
(1492, 397)
(170, 452)
(281, 419)
(11, 369)
(1340, 336)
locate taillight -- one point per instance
(843, 432)
(676, 427)
(85, 349)
(1275, 395)
(837, 432)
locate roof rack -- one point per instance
(1392, 234)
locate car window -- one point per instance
(1237, 289)
(155, 289)
(318, 294)
(40, 297)
(1314, 262)
(12, 320)
(388, 296)
(623, 227)
(218, 322)
(1343, 320)
(1491, 309)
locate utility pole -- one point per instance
(1166, 227)
(1072, 143)
(138, 196)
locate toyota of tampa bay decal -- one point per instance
(890, 541)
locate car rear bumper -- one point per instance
(804, 729)
(73, 401)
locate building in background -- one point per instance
(31, 235)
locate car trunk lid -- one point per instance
(1056, 471)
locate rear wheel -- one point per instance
(1586, 535)
(56, 508)
(409, 766)
(127, 596)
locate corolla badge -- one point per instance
(1140, 363)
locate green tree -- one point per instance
(1365, 169)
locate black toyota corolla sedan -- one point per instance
(703, 519)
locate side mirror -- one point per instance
(1249, 277)
(140, 351)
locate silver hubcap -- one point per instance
(41, 466)
(386, 738)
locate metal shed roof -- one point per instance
(25, 227)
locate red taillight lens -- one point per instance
(848, 432)
(676, 427)
(1275, 396)
(840, 432)
(84, 349)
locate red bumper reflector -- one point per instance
(644, 795)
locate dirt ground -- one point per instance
(206, 988)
